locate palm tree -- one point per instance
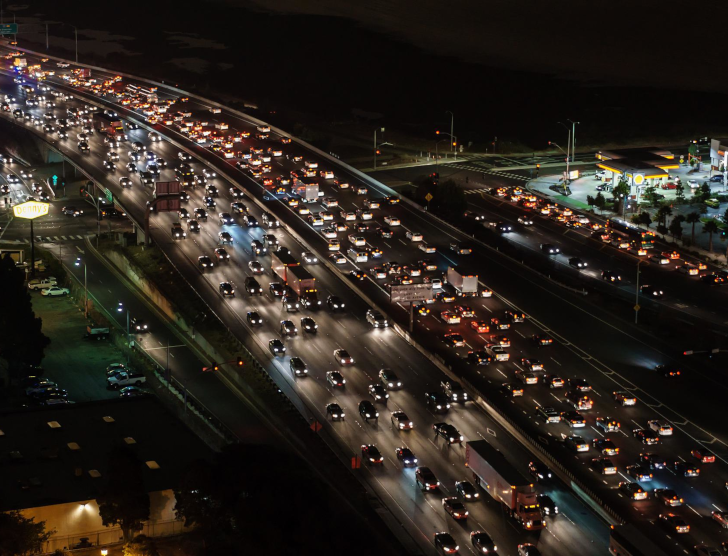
(693, 218)
(710, 227)
(662, 213)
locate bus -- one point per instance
(626, 540)
(645, 239)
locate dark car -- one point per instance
(482, 542)
(466, 490)
(437, 402)
(201, 214)
(298, 367)
(406, 456)
(576, 262)
(548, 506)
(368, 411)
(448, 432)
(193, 226)
(309, 325)
(371, 454)
(205, 262)
(540, 471)
(549, 249)
(252, 286)
(445, 543)
(254, 318)
(334, 411)
(276, 347)
(667, 371)
(138, 325)
(335, 379)
(335, 303)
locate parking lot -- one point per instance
(75, 364)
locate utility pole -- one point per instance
(452, 129)
(637, 292)
(573, 140)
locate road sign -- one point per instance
(110, 195)
(316, 426)
(429, 197)
(30, 210)
(637, 307)
(162, 188)
(411, 292)
(8, 28)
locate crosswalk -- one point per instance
(477, 191)
(46, 239)
(491, 172)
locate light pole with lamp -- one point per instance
(376, 147)
(573, 140)
(85, 285)
(120, 309)
(566, 177)
(637, 292)
(452, 128)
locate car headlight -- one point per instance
(452, 439)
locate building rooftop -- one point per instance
(59, 454)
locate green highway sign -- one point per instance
(110, 195)
(8, 28)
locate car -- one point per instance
(577, 443)
(55, 291)
(712, 279)
(548, 506)
(703, 455)
(578, 384)
(668, 497)
(204, 262)
(224, 238)
(71, 211)
(547, 414)
(290, 302)
(132, 392)
(540, 471)
(367, 410)
(652, 461)
(717, 178)
(334, 411)
(254, 318)
(371, 454)
(258, 248)
(399, 419)
(288, 328)
(607, 424)
(721, 517)
(252, 287)
(39, 385)
(576, 262)
(604, 466)
(193, 226)
(667, 371)
(663, 428)
(611, 276)
(705, 550)
(660, 259)
(222, 255)
(579, 400)
(389, 379)
(406, 456)
(255, 267)
(298, 367)
(459, 248)
(639, 472)
(378, 392)
(633, 490)
(335, 303)
(450, 317)
(674, 523)
(376, 319)
(511, 390)
(453, 339)
(624, 398)
(337, 258)
(455, 508)
(276, 347)
(542, 340)
(574, 419)
(553, 381)
(448, 432)
(342, 357)
(651, 291)
(200, 214)
(335, 379)
(138, 325)
(605, 446)
(437, 402)
(685, 469)
(528, 549)
(646, 436)
(425, 479)
(550, 249)
(445, 543)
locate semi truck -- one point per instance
(463, 281)
(493, 472)
(106, 123)
(296, 277)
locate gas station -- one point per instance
(640, 167)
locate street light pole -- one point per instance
(452, 129)
(573, 140)
(375, 146)
(637, 292)
(75, 32)
(85, 291)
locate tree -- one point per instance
(710, 227)
(448, 200)
(590, 201)
(643, 218)
(125, 501)
(651, 195)
(662, 213)
(705, 191)
(22, 342)
(676, 226)
(600, 201)
(141, 545)
(692, 218)
(680, 191)
(20, 535)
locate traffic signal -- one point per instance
(454, 144)
(213, 367)
(240, 362)
(437, 133)
(379, 152)
(55, 180)
(538, 169)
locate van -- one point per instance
(358, 256)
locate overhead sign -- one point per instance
(411, 292)
(31, 210)
(110, 195)
(8, 28)
(162, 188)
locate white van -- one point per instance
(358, 256)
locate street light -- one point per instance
(452, 128)
(85, 286)
(573, 140)
(637, 292)
(375, 146)
(566, 177)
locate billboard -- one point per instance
(30, 210)
(411, 292)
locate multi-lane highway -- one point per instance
(584, 348)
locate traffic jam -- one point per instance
(600, 430)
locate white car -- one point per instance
(525, 220)
(329, 233)
(693, 184)
(55, 291)
(392, 221)
(414, 236)
(662, 428)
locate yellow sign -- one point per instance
(30, 210)
(637, 307)
(639, 179)
(429, 197)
